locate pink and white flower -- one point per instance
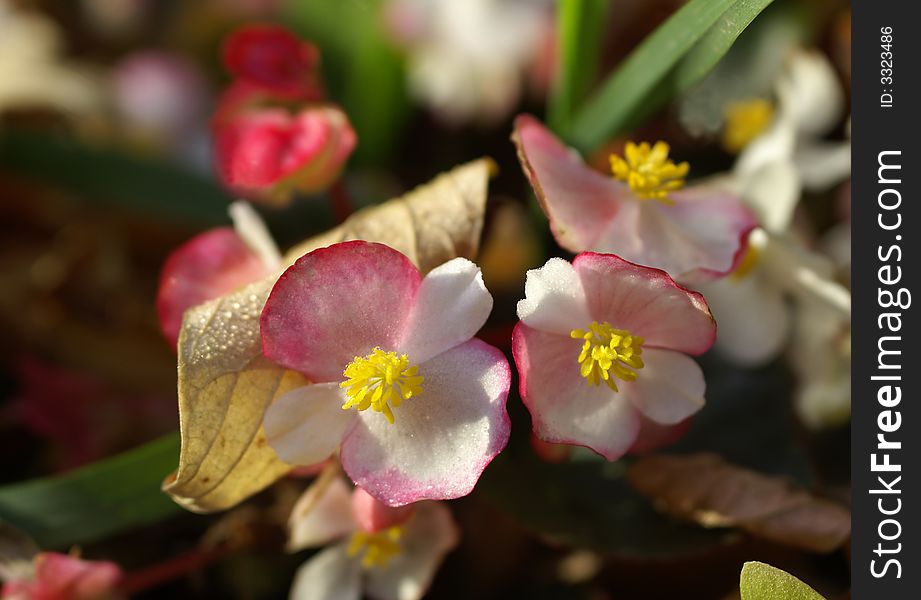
(698, 232)
(386, 553)
(603, 343)
(56, 576)
(361, 322)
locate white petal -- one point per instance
(773, 191)
(330, 575)
(670, 387)
(430, 534)
(752, 321)
(451, 305)
(322, 514)
(442, 439)
(810, 94)
(823, 165)
(775, 145)
(554, 299)
(306, 425)
(253, 231)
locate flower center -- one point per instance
(744, 121)
(749, 261)
(380, 380)
(648, 170)
(608, 353)
(376, 548)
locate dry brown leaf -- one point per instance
(225, 384)
(705, 489)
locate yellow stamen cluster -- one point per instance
(380, 380)
(648, 170)
(607, 353)
(378, 548)
(744, 121)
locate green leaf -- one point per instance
(764, 582)
(671, 59)
(101, 499)
(587, 502)
(579, 40)
(107, 175)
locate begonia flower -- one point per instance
(603, 342)
(271, 59)
(61, 577)
(272, 153)
(383, 552)
(212, 264)
(641, 213)
(360, 321)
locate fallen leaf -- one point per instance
(225, 384)
(706, 490)
(760, 581)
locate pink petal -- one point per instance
(564, 408)
(372, 515)
(274, 59)
(554, 299)
(62, 576)
(441, 440)
(208, 266)
(646, 302)
(321, 515)
(430, 534)
(452, 304)
(670, 387)
(337, 303)
(579, 202)
(307, 424)
(329, 575)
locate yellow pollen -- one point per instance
(608, 353)
(380, 380)
(648, 170)
(749, 261)
(376, 548)
(744, 121)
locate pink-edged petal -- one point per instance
(564, 408)
(646, 302)
(373, 515)
(337, 303)
(699, 235)
(430, 534)
(307, 424)
(442, 439)
(579, 202)
(321, 515)
(209, 265)
(554, 299)
(753, 317)
(330, 575)
(451, 305)
(670, 387)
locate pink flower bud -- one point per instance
(269, 153)
(63, 577)
(275, 60)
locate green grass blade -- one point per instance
(101, 499)
(674, 57)
(579, 40)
